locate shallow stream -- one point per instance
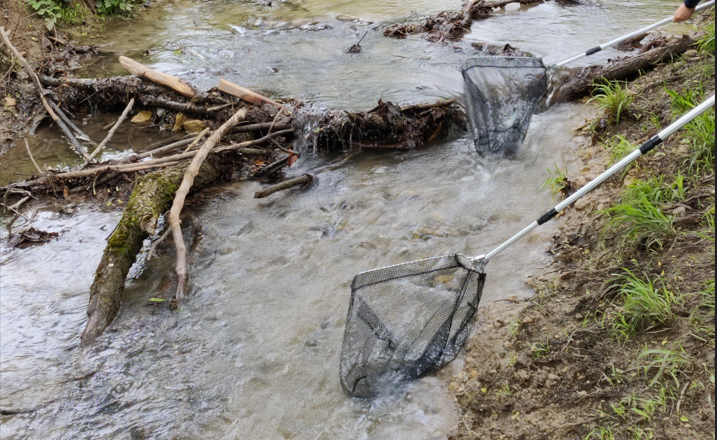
(254, 352)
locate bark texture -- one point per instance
(152, 196)
(583, 81)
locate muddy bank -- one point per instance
(618, 341)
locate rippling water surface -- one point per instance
(254, 353)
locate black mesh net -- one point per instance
(501, 94)
(407, 320)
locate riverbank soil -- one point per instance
(618, 341)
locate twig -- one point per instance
(253, 142)
(181, 194)
(285, 150)
(682, 396)
(80, 134)
(111, 133)
(281, 109)
(306, 180)
(256, 127)
(197, 139)
(156, 243)
(27, 147)
(219, 107)
(19, 204)
(36, 81)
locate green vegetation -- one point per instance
(706, 44)
(619, 148)
(613, 98)
(557, 182)
(72, 12)
(641, 220)
(643, 305)
(541, 350)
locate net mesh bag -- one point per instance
(501, 94)
(407, 320)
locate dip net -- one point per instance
(407, 320)
(501, 94)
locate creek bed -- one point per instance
(254, 353)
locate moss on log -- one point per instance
(152, 196)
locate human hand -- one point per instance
(682, 13)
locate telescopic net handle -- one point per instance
(611, 43)
(644, 148)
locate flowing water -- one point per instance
(254, 352)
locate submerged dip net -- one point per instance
(407, 320)
(501, 94)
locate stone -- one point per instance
(10, 102)
(143, 117)
(528, 320)
(179, 121)
(554, 377)
(582, 204)
(452, 386)
(194, 126)
(523, 361)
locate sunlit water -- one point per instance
(254, 352)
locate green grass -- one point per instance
(601, 433)
(541, 350)
(656, 190)
(706, 44)
(664, 363)
(700, 134)
(641, 220)
(613, 98)
(557, 182)
(643, 305)
(619, 148)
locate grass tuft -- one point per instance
(613, 98)
(643, 304)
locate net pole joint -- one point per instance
(479, 263)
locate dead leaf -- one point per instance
(292, 159)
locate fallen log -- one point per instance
(582, 81)
(118, 90)
(451, 25)
(151, 197)
(144, 72)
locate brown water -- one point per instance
(254, 353)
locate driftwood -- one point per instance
(180, 196)
(451, 25)
(306, 180)
(583, 81)
(151, 197)
(144, 72)
(36, 82)
(111, 132)
(244, 93)
(114, 91)
(385, 126)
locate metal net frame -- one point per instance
(407, 320)
(501, 95)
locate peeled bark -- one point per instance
(152, 196)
